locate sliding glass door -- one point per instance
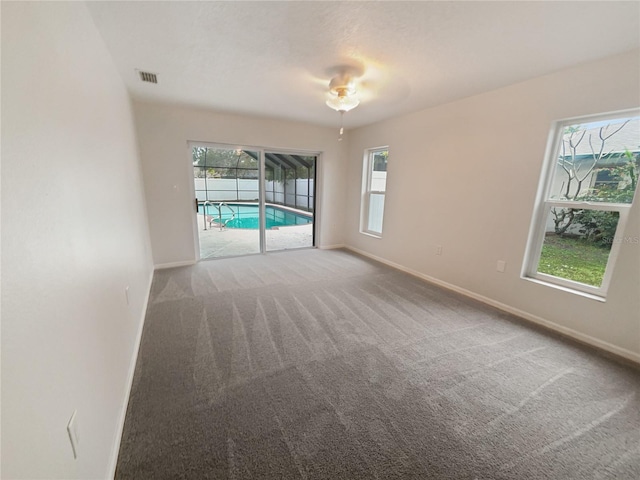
(252, 200)
(289, 200)
(228, 199)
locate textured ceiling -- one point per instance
(276, 58)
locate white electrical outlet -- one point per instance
(439, 250)
(502, 265)
(126, 293)
(72, 430)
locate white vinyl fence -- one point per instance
(299, 192)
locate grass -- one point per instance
(573, 259)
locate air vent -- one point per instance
(148, 77)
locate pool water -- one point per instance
(246, 216)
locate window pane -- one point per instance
(378, 181)
(247, 173)
(247, 161)
(215, 157)
(221, 172)
(380, 161)
(376, 210)
(379, 171)
(577, 244)
(372, 206)
(598, 162)
(198, 154)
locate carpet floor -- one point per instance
(322, 364)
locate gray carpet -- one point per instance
(321, 364)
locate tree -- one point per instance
(224, 163)
(600, 226)
(578, 170)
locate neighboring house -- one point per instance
(588, 165)
(576, 165)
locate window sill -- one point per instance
(590, 296)
(369, 234)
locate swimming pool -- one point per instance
(246, 216)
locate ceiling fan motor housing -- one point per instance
(342, 86)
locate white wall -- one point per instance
(74, 234)
(465, 175)
(163, 132)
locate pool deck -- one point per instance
(215, 243)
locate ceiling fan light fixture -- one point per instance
(342, 97)
(342, 85)
(343, 103)
(342, 91)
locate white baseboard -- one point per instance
(161, 266)
(595, 342)
(132, 369)
(331, 247)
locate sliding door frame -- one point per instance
(317, 156)
(261, 187)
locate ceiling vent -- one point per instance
(148, 76)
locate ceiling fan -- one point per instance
(343, 92)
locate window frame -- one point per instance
(367, 192)
(544, 204)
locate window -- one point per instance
(374, 185)
(591, 180)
